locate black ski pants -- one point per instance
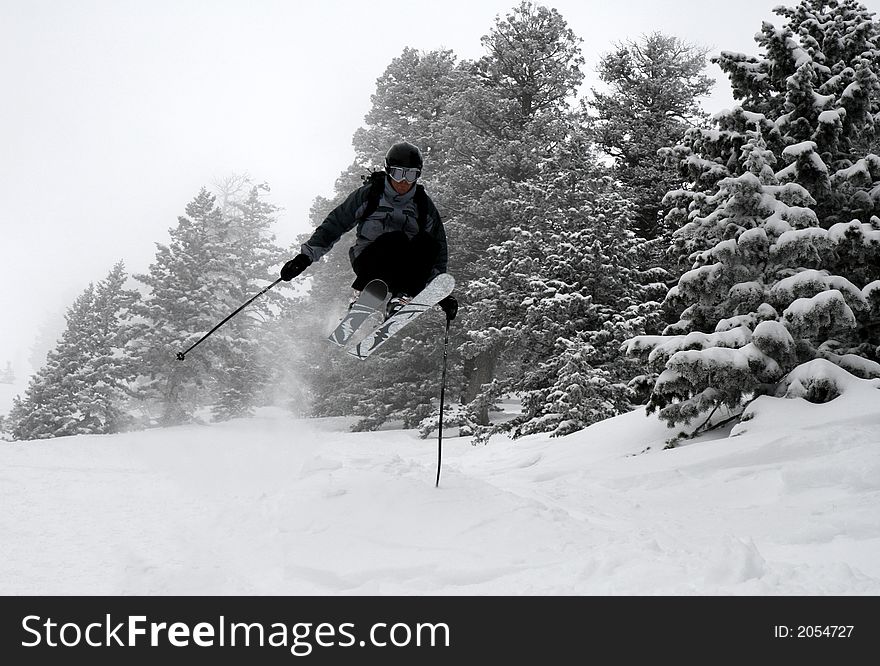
(404, 264)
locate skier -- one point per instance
(400, 238)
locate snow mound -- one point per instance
(815, 393)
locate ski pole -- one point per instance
(182, 355)
(442, 399)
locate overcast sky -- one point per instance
(116, 112)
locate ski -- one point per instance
(436, 290)
(371, 301)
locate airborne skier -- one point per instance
(400, 247)
(400, 238)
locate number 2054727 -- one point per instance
(814, 631)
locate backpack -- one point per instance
(376, 181)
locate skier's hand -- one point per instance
(295, 266)
(449, 306)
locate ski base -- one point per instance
(436, 290)
(371, 301)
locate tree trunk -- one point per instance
(479, 371)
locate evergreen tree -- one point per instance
(555, 291)
(82, 387)
(504, 132)
(253, 259)
(103, 401)
(181, 305)
(48, 408)
(653, 90)
(216, 260)
(781, 225)
(534, 59)
(411, 100)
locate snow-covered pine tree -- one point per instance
(555, 291)
(253, 259)
(182, 303)
(781, 222)
(653, 88)
(103, 401)
(412, 101)
(82, 387)
(48, 408)
(215, 261)
(503, 130)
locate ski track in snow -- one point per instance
(274, 505)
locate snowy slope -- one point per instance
(274, 505)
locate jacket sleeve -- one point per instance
(341, 219)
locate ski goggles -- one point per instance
(399, 174)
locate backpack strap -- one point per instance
(376, 180)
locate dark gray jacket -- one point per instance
(395, 212)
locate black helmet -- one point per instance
(405, 155)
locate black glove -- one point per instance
(295, 266)
(449, 306)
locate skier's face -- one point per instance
(401, 187)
